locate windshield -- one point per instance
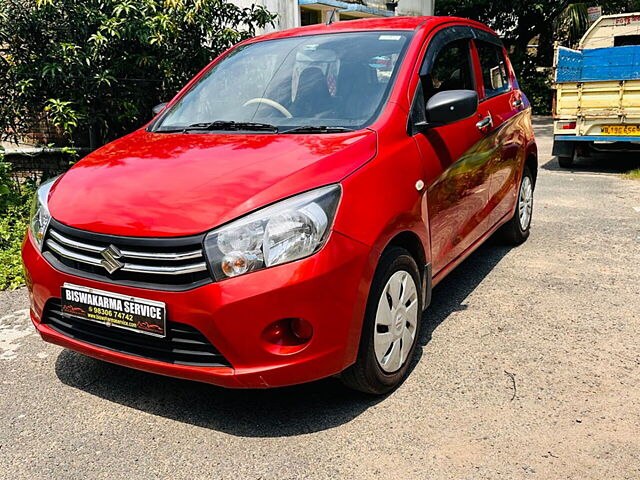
(331, 80)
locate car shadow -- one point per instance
(276, 412)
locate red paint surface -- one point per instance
(158, 185)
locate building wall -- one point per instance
(415, 8)
(289, 10)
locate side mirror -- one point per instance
(450, 106)
(158, 108)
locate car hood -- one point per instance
(158, 185)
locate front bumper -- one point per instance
(328, 289)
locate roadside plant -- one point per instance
(14, 216)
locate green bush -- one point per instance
(537, 87)
(15, 202)
(97, 67)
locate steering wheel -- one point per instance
(271, 103)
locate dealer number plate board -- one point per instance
(113, 309)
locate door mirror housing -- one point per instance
(449, 107)
(158, 108)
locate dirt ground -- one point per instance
(529, 368)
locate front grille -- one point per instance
(157, 263)
(183, 345)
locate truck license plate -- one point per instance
(620, 130)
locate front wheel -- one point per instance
(517, 230)
(391, 325)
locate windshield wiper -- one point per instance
(225, 125)
(317, 129)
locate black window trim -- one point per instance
(451, 34)
(460, 32)
(469, 62)
(440, 40)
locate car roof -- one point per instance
(370, 24)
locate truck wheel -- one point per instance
(517, 230)
(391, 326)
(565, 162)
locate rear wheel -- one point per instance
(391, 326)
(565, 162)
(517, 230)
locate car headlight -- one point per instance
(40, 216)
(291, 229)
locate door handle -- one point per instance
(518, 103)
(485, 123)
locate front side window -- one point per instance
(335, 80)
(451, 69)
(494, 69)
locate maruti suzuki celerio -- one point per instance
(285, 217)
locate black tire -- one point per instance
(512, 232)
(568, 161)
(565, 162)
(366, 374)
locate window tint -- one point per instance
(337, 79)
(494, 69)
(451, 69)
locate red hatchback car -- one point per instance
(285, 217)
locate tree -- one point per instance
(100, 65)
(521, 21)
(571, 24)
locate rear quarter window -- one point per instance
(494, 69)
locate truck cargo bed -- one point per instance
(597, 89)
(603, 99)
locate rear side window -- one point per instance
(451, 69)
(494, 69)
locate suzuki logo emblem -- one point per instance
(110, 262)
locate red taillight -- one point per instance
(569, 126)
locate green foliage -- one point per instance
(105, 63)
(518, 22)
(14, 216)
(521, 21)
(537, 86)
(633, 174)
(62, 114)
(572, 24)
